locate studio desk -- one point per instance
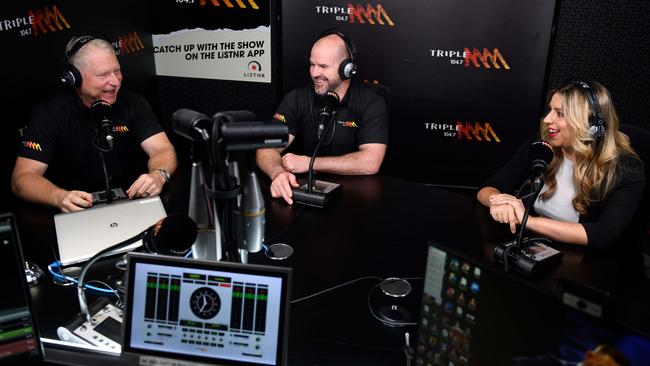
(378, 228)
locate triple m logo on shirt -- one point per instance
(33, 145)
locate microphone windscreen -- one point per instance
(540, 150)
(329, 100)
(173, 235)
(100, 109)
(184, 122)
(234, 116)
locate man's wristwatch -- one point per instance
(164, 173)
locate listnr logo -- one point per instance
(487, 59)
(254, 70)
(227, 3)
(129, 43)
(46, 20)
(32, 145)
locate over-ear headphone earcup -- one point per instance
(347, 69)
(70, 76)
(596, 131)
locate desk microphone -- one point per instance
(327, 103)
(526, 254)
(320, 193)
(100, 112)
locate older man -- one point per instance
(356, 145)
(58, 162)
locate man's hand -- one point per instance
(146, 185)
(282, 184)
(295, 163)
(74, 201)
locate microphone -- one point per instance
(252, 212)
(540, 155)
(101, 112)
(173, 235)
(191, 124)
(324, 192)
(518, 253)
(327, 103)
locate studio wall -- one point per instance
(34, 34)
(604, 40)
(466, 79)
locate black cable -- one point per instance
(336, 287)
(310, 174)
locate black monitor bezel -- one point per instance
(23, 358)
(281, 272)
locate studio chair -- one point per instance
(640, 141)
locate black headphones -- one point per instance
(348, 67)
(70, 75)
(597, 120)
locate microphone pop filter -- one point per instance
(100, 109)
(540, 155)
(329, 100)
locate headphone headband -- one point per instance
(348, 67)
(70, 75)
(597, 122)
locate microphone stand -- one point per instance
(101, 151)
(535, 189)
(317, 193)
(517, 252)
(81, 293)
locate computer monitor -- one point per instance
(206, 311)
(19, 341)
(473, 313)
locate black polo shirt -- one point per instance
(61, 134)
(361, 118)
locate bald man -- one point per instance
(58, 163)
(356, 144)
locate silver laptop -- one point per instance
(82, 234)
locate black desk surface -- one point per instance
(378, 227)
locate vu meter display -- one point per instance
(231, 316)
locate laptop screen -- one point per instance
(224, 313)
(474, 314)
(19, 340)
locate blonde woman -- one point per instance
(592, 186)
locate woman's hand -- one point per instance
(507, 209)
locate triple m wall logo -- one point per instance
(36, 22)
(129, 43)
(469, 131)
(473, 58)
(242, 4)
(368, 14)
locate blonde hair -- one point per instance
(596, 161)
